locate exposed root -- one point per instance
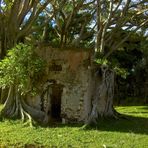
(16, 107)
(37, 115)
(29, 121)
(22, 113)
(121, 116)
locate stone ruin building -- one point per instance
(65, 89)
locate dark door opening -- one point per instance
(56, 102)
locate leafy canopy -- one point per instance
(22, 68)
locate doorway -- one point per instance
(56, 95)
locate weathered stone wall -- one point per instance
(68, 68)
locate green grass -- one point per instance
(131, 133)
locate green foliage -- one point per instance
(22, 68)
(114, 64)
(101, 61)
(144, 46)
(121, 71)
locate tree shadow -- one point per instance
(129, 124)
(145, 107)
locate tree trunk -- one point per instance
(102, 92)
(8, 41)
(11, 105)
(3, 95)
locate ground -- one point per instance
(131, 133)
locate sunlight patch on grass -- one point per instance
(137, 111)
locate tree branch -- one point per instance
(32, 18)
(106, 26)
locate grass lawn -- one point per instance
(122, 133)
